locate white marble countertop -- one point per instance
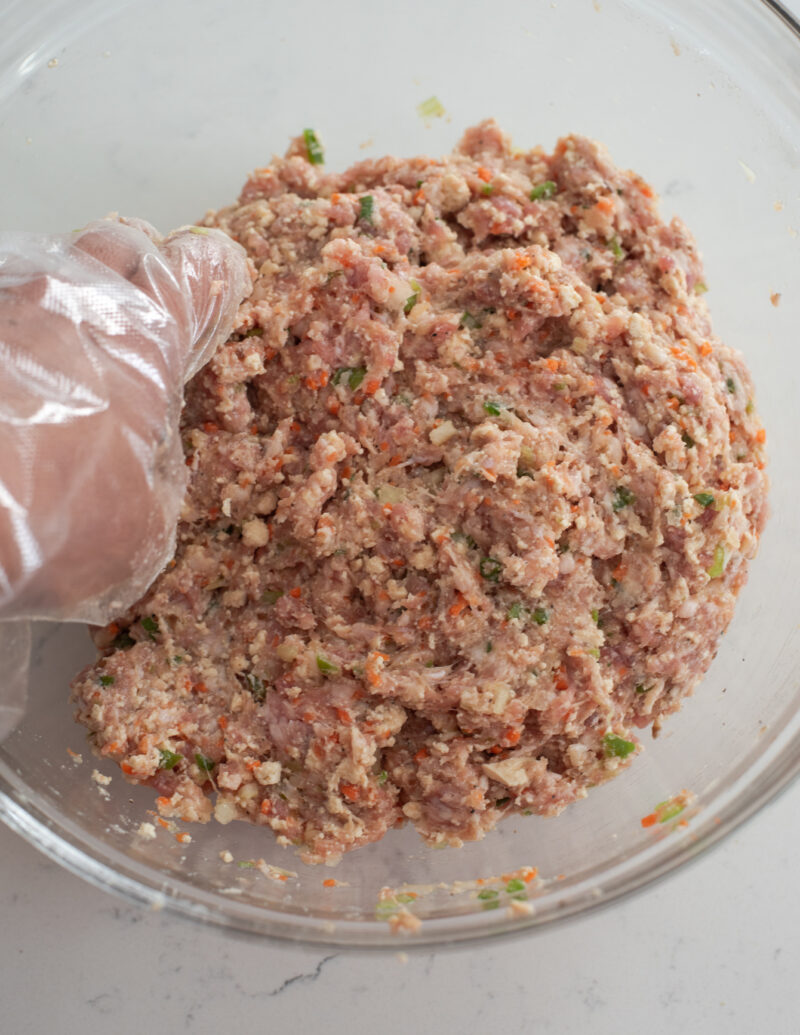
(715, 948)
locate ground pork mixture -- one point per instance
(473, 488)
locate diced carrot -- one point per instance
(512, 737)
(163, 802)
(126, 768)
(210, 427)
(761, 435)
(646, 189)
(343, 715)
(222, 722)
(522, 260)
(333, 405)
(295, 592)
(421, 755)
(419, 197)
(552, 363)
(705, 349)
(329, 883)
(605, 204)
(266, 807)
(350, 791)
(649, 821)
(372, 386)
(200, 688)
(484, 173)
(384, 447)
(183, 838)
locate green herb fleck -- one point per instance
(718, 564)
(515, 611)
(205, 765)
(178, 659)
(489, 647)
(253, 332)
(365, 208)
(623, 497)
(700, 288)
(411, 301)
(666, 810)
(168, 759)
(106, 680)
(749, 407)
(490, 569)
(245, 864)
(271, 596)
(150, 626)
(405, 898)
(687, 440)
(616, 747)
(544, 191)
(560, 386)
(642, 689)
(487, 894)
(493, 408)
(594, 652)
(730, 384)
(256, 687)
(595, 616)
(432, 108)
(313, 147)
(356, 377)
(515, 885)
(540, 616)
(327, 668)
(487, 189)
(123, 640)
(616, 248)
(705, 499)
(468, 320)
(383, 776)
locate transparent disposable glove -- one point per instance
(99, 331)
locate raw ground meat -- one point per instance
(473, 488)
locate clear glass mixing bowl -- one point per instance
(159, 110)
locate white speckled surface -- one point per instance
(715, 948)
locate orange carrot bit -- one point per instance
(335, 198)
(254, 763)
(384, 447)
(126, 768)
(213, 512)
(552, 363)
(372, 386)
(183, 838)
(333, 405)
(395, 460)
(210, 427)
(200, 688)
(222, 722)
(511, 314)
(350, 791)
(619, 572)
(646, 189)
(163, 802)
(605, 204)
(343, 715)
(112, 629)
(484, 173)
(673, 403)
(329, 883)
(266, 807)
(162, 822)
(456, 608)
(761, 436)
(419, 197)
(530, 874)
(522, 260)
(705, 349)
(496, 750)
(649, 821)
(645, 389)
(295, 592)
(512, 737)
(421, 755)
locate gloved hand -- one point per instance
(99, 330)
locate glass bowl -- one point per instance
(159, 110)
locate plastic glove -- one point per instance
(99, 330)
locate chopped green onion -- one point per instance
(365, 208)
(616, 248)
(205, 765)
(666, 810)
(468, 320)
(271, 596)
(515, 885)
(313, 147)
(749, 408)
(489, 647)
(253, 332)
(123, 641)
(488, 893)
(411, 301)
(490, 569)
(404, 898)
(327, 668)
(560, 386)
(501, 801)
(150, 626)
(493, 408)
(616, 747)
(543, 191)
(256, 687)
(178, 659)
(383, 776)
(700, 288)
(487, 189)
(515, 611)
(730, 384)
(718, 564)
(623, 497)
(705, 499)
(491, 904)
(540, 616)
(356, 377)
(687, 440)
(106, 680)
(432, 108)
(642, 689)
(168, 759)
(594, 652)
(595, 616)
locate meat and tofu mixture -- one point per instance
(473, 488)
